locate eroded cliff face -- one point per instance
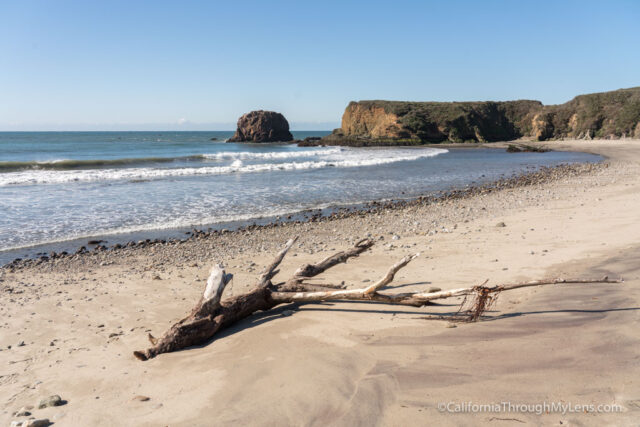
(601, 115)
(372, 121)
(542, 126)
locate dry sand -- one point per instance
(352, 363)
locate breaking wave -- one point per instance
(346, 159)
(71, 164)
(247, 155)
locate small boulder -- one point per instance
(262, 126)
(23, 412)
(54, 400)
(42, 422)
(32, 422)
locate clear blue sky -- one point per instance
(201, 64)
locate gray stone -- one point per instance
(32, 422)
(54, 400)
(42, 422)
(23, 412)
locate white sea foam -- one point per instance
(338, 159)
(163, 224)
(245, 155)
(68, 164)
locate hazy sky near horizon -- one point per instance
(129, 65)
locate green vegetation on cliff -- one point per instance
(461, 121)
(600, 115)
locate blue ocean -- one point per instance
(58, 187)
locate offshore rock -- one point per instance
(262, 126)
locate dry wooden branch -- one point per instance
(308, 271)
(213, 314)
(388, 278)
(216, 283)
(270, 270)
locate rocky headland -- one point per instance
(605, 115)
(262, 126)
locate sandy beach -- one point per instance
(69, 326)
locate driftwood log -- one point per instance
(213, 314)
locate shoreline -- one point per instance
(68, 248)
(71, 324)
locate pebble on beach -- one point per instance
(32, 422)
(54, 400)
(23, 412)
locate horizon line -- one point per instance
(150, 130)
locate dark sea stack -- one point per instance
(262, 126)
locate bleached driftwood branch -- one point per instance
(213, 314)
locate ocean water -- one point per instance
(58, 187)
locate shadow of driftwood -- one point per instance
(525, 313)
(260, 318)
(404, 285)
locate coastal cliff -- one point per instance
(613, 114)
(602, 115)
